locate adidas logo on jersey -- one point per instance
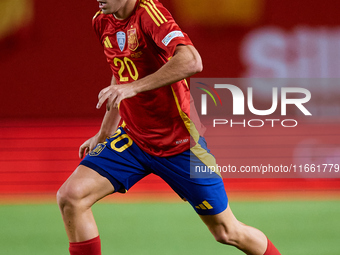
(107, 42)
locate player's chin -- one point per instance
(107, 11)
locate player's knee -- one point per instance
(224, 239)
(62, 198)
(229, 236)
(69, 196)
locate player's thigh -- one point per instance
(86, 185)
(120, 160)
(207, 196)
(204, 191)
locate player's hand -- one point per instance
(114, 94)
(89, 145)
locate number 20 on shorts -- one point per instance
(120, 138)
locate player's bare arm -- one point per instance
(108, 127)
(185, 62)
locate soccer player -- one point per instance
(149, 101)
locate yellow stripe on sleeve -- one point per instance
(160, 13)
(150, 14)
(156, 14)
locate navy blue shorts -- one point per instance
(123, 163)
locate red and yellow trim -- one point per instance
(207, 158)
(155, 14)
(97, 13)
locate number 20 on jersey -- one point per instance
(127, 64)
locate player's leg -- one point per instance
(113, 166)
(205, 191)
(228, 230)
(218, 216)
(75, 198)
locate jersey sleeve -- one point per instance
(97, 24)
(158, 24)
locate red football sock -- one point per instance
(271, 249)
(89, 247)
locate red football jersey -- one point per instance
(158, 120)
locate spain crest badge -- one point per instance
(132, 39)
(98, 149)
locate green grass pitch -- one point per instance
(296, 227)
